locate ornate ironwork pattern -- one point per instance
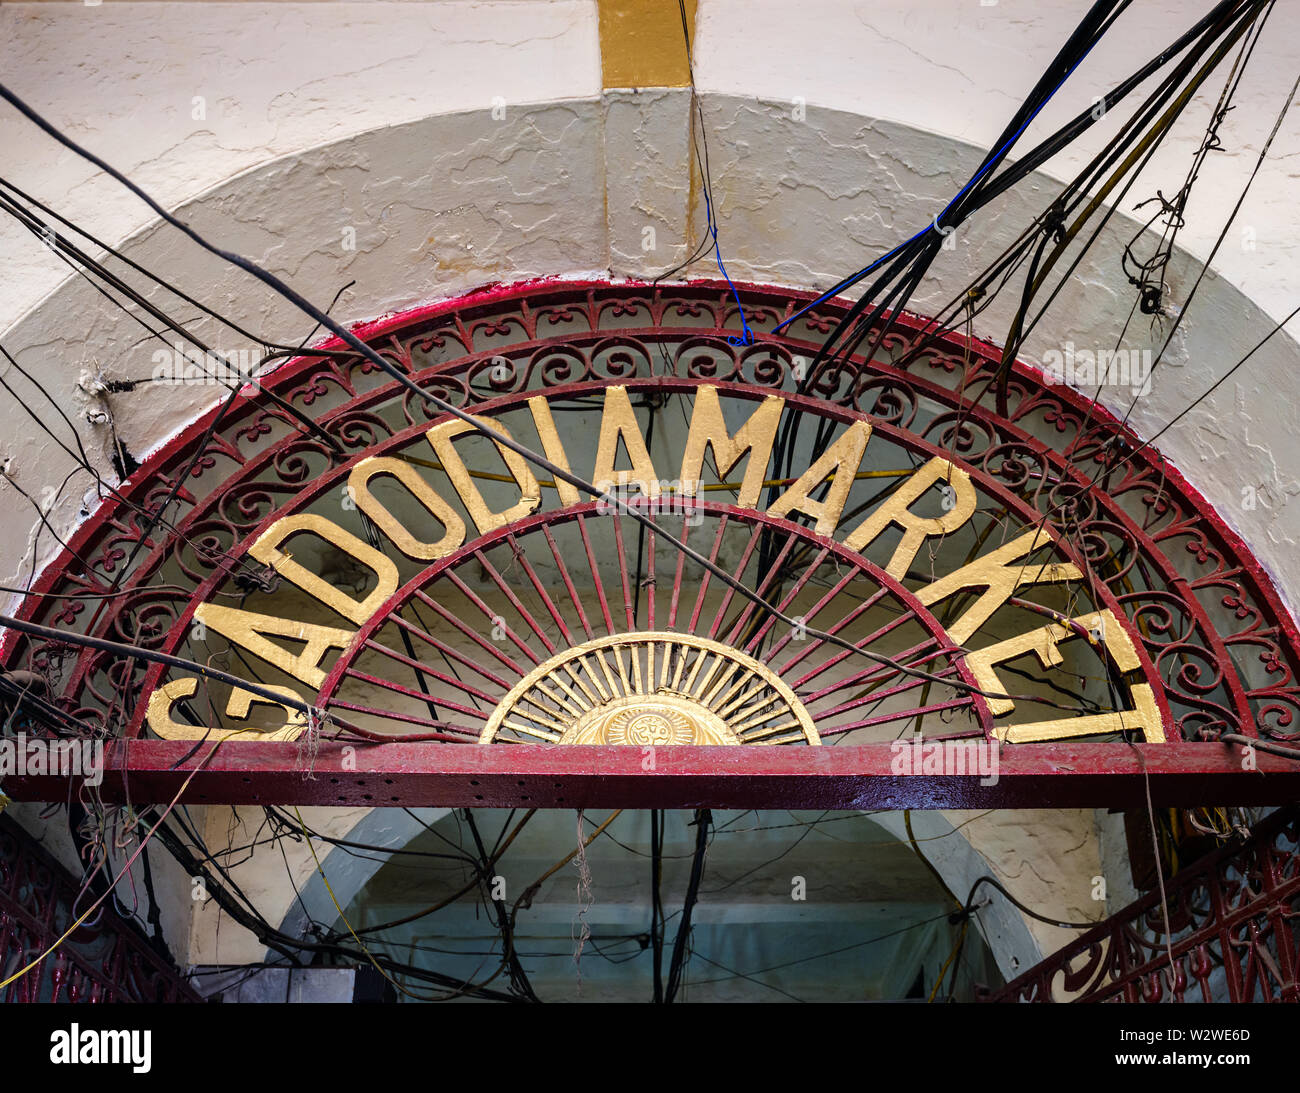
(102, 961)
(721, 658)
(1210, 629)
(1233, 936)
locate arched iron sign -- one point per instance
(971, 608)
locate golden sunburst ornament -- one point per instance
(647, 689)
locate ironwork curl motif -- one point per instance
(212, 493)
(1231, 934)
(105, 960)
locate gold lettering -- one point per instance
(1043, 643)
(916, 529)
(267, 551)
(245, 629)
(552, 448)
(996, 573)
(165, 697)
(842, 460)
(440, 510)
(709, 430)
(440, 438)
(619, 420)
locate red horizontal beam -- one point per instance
(503, 775)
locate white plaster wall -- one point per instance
(878, 85)
(804, 202)
(281, 886)
(378, 116)
(1048, 858)
(351, 111)
(171, 883)
(275, 79)
(960, 68)
(512, 201)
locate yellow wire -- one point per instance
(944, 970)
(143, 842)
(311, 845)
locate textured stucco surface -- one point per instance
(281, 887)
(837, 189)
(959, 69)
(272, 79)
(1048, 858)
(827, 147)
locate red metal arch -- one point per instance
(531, 524)
(219, 482)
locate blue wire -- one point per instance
(934, 224)
(748, 337)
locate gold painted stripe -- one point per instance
(641, 43)
(550, 737)
(577, 678)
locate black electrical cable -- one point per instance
(977, 195)
(1232, 216)
(1144, 146)
(164, 283)
(968, 907)
(703, 821)
(1107, 468)
(79, 456)
(510, 957)
(918, 252)
(289, 947)
(84, 260)
(349, 338)
(656, 903)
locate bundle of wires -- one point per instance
(1191, 58)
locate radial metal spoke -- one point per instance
(816, 609)
(843, 654)
(755, 535)
(514, 600)
(629, 602)
(477, 639)
(771, 577)
(677, 576)
(426, 670)
(521, 556)
(448, 651)
(405, 718)
(493, 619)
(904, 715)
(410, 692)
(595, 575)
(703, 590)
(568, 583)
(785, 604)
(865, 675)
(879, 696)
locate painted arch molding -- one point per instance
(1005, 593)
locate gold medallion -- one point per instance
(648, 689)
